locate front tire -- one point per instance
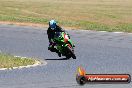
(68, 57)
(71, 52)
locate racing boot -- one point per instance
(59, 54)
(52, 49)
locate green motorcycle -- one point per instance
(64, 44)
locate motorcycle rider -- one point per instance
(53, 27)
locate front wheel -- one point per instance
(71, 52)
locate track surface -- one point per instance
(97, 52)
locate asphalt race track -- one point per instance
(97, 52)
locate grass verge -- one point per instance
(9, 61)
(100, 15)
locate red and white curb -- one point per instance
(37, 63)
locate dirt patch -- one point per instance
(23, 24)
(32, 24)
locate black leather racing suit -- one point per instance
(51, 34)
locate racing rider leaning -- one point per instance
(53, 27)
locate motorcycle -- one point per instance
(64, 44)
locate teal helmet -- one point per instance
(52, 24)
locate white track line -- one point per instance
(118, 32)
(106, 32)
(111, 32)
(102, 31)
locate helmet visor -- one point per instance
(53, 26)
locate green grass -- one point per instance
(9, 61)
(101, 15)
